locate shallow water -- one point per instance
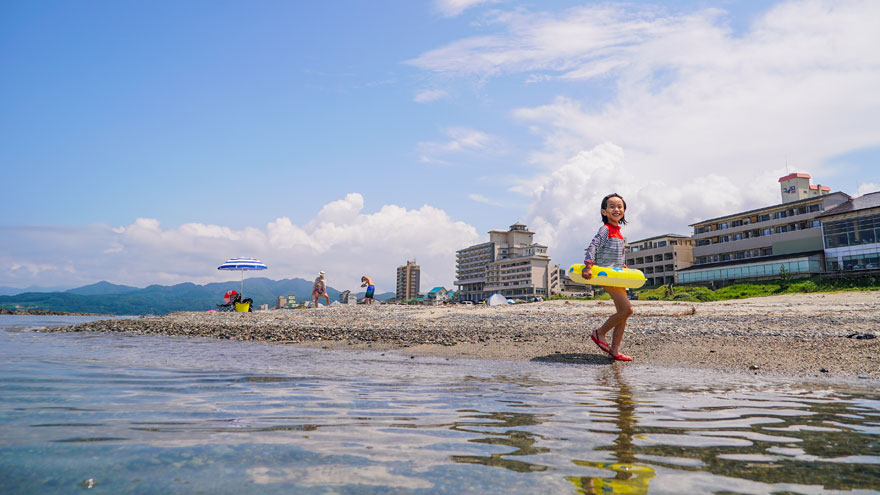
(115, 413)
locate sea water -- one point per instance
(119, 413)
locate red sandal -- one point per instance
(602, 345)
(621, 357)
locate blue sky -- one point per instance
(146, 142)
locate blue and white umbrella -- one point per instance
(242, 264)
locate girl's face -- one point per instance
(614, 210)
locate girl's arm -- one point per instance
(590, 252)
(600, 238)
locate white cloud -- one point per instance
(452, 8)
(867, 188)
(479, 198)
(342, 240)
(702, 119)
(461, 140)
(429, 95)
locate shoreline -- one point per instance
(824, 335)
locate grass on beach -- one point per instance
(696, 293)
(786, 285)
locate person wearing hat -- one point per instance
(320, 289)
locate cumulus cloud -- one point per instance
(452, 8)
(867, 188)
(341, 239)
(701, 119)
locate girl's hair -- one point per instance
(605, 205)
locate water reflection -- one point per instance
(522, 442)
(133, 414)
(630, 476)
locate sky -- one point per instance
(146, 142)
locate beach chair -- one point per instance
(231, 297)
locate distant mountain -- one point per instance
(101, 288)
(107, 298)
(11, 291)
(379, 297)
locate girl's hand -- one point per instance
(587, 272)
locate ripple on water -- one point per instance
(141, 414)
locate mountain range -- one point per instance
(107, 298)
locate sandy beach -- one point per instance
(805, 335)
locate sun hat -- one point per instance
(320, 273)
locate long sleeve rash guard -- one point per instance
(606, 248)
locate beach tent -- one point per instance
(497, 300)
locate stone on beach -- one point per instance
(798, 335)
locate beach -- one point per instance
(805, 335)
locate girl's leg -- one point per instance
(624, 311)
(621, 305)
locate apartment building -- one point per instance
(510, 264)
(795, 187)
(569, 287)
(851, 235)
(408, 282)
(661, 257)
(765, 242)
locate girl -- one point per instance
(607, 249)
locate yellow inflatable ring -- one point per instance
(612, 277)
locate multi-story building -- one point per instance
(795, 187)
(766, 242)
(661, 257)
(408, 281)
(851, 232)
(569, 287)
(346, 297)
(510, 264)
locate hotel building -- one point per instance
(408, 281)
(763, 243)
(851, 232)
(661, 257)
(510, 264)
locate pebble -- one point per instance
(766, 333)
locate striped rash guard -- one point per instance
(606, 248)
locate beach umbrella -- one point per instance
(242, 264)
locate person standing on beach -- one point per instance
(607, 249)
(368, 283)
(320, 289)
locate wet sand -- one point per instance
(806, 335)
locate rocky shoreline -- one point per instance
(44, 312)
(806, 335)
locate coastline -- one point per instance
(820, 335)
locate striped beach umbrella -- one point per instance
(242, 265)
